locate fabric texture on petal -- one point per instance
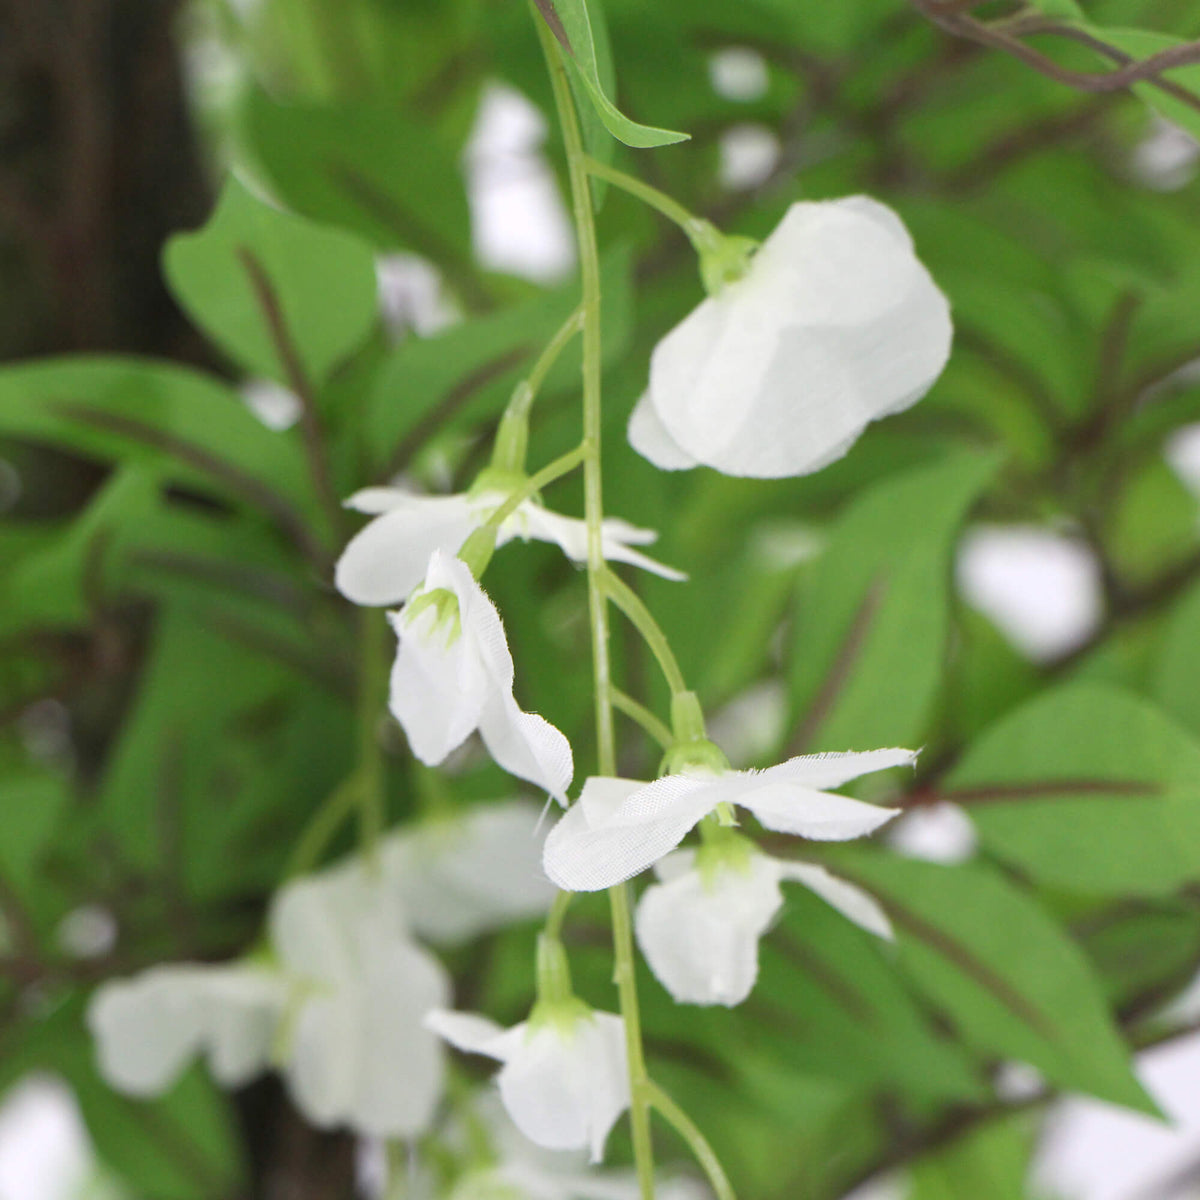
(653, 820)
(700, 935)
(387, 558)
(565, 1090)
(851, 901)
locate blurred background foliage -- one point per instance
(179, 677)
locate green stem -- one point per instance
(558, 910)
(589, 261)
(698, 230)
(557, 344)
(372, 683)
(660, 731)
(697, 1142)
(563, 465)
(325, 822)
(632, 605)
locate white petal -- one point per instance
(386, 559)
(527, 745)
(833, 769)
(147, 1028)
(522, 743)
(320, 1051)
(438, 686)
(570, 535)
(469, 1032)
(700, 936)
(467, 875)
(653, 820)
(649, 437)
(822, 816)
(308, 932)
(835, 324)
(242, 1008)
(565, 1091)
(376, 500)
(603, 795)
(851, 901)
(399, 1077)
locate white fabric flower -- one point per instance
(454, 674)
(464, 875)
(619, 827)
(147, 1029)
(564, 1080)
(386, 559)
(834, 324)
(338, 1009)
(699, 928)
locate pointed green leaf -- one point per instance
(571, 26)
(1088, 788)
(873, 612)
(1007, 976)
(275, 291)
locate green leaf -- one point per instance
(1142, 43)
(568, 21)
(1063, 10)
(31, 803)
(1088, 788)
(134, 411)
(359, 167)
(872, 615)
(989, 1163)
(1006, 975)
(1177, 669)
(277, 292)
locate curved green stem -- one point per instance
(558, 910)
(326, 821)
(562, 465)
(632, 605)
(372, 684)
(660, 731)
(696, 228)
(589, 260)
(557, 344)
(697, 1142)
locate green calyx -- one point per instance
(721, 849)
(692, 753)
(557, 1005)
(447, 619)
(724, 258)
(512, 435)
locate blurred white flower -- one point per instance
(834, 324)
(564, 1080)
(386, 559)
(337, 1007)
(699, 927)
(619, 827)
(466, 874)
(454, 674)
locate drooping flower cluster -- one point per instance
(337, 998)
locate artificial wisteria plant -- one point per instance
(432, 874)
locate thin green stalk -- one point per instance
(562, 465)
(697, 1142)
(632, 605)
(325, 822)
(589, 260)
(372, 682)
(557, 344)
(660, 731)
(558, 910)
(695, 227)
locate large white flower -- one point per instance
(386, 559)
(454, 674)
(699, 927)
(337, 1007)
(619, 827)
(463, 875)
(564, 1080)
(834, 324)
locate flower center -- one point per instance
(444, 619)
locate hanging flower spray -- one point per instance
(801, 342)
